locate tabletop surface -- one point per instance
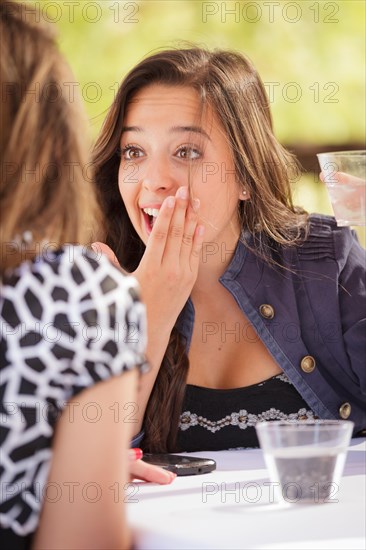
(234, 508)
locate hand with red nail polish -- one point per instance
(135, 454)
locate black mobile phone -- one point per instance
(181, 465)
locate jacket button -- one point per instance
(266, 311)
(308, 363)
(345, 411)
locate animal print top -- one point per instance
(68, 321)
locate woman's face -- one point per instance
(169, 141)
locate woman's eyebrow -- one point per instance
(132, 129)
(190, 129)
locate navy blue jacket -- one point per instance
(310, 315)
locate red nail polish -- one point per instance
(137, 452)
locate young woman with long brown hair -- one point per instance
(72, 325)
(255, 308)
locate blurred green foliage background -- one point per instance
(310, 54)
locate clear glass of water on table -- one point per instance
(345, 177)
(306, 458)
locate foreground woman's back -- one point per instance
(71, 324)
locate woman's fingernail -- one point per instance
(182, 193)
(200, 230)
(135, 453)
(170, 476)
(170, 201)
(196, 204)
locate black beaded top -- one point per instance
(214, 420)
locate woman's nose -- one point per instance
(158, 176)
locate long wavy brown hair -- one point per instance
(46, 193)
(228, 82)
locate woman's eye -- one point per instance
(189, 153)
(131, 153)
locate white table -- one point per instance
(232, 508)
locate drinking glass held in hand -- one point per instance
(344, 174)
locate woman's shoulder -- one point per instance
(322, 226)
(324, 239)
(70, 285)
(72, 268)
(78, 308)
